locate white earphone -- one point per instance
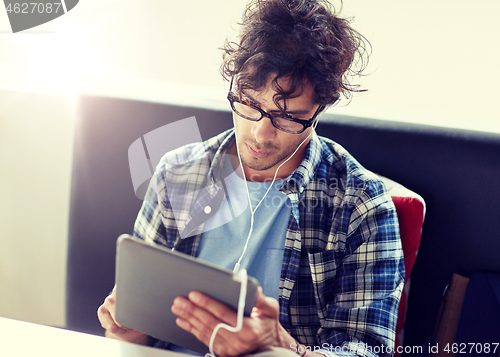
(242, 274)
(252, 211)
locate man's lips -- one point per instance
(258, 154)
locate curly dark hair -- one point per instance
(298, 40)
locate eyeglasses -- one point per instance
(281, 121)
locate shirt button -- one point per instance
(208, 209)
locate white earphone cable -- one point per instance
(242, 274)
(243, 278)
(252, 211)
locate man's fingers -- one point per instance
(105, 314)
(109, 323)
(223, 344)
(200, 322)
(215, 308)
(265, 305)
(111, 326)
(194, 314)
(200, 315)
(115, 330)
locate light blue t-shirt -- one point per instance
(222, 243)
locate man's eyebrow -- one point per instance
(290, 112)
(252, 99)
(296, 112)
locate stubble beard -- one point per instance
(258, 164)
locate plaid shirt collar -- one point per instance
(297, 181)
(212, 194)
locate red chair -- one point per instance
(410, 208)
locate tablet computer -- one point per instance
(149, 278)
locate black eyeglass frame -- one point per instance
(306, 123)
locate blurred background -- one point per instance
(433, 62)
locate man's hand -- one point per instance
(106, 314)
(200, 315)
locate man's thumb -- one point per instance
(266, 305)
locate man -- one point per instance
(327, 250)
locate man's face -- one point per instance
(263, 147)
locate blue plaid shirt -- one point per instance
(343, 270)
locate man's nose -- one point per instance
(263, 130)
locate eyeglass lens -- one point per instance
(253, 114)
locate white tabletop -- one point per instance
(19, 338)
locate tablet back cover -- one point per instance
(149, 278)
